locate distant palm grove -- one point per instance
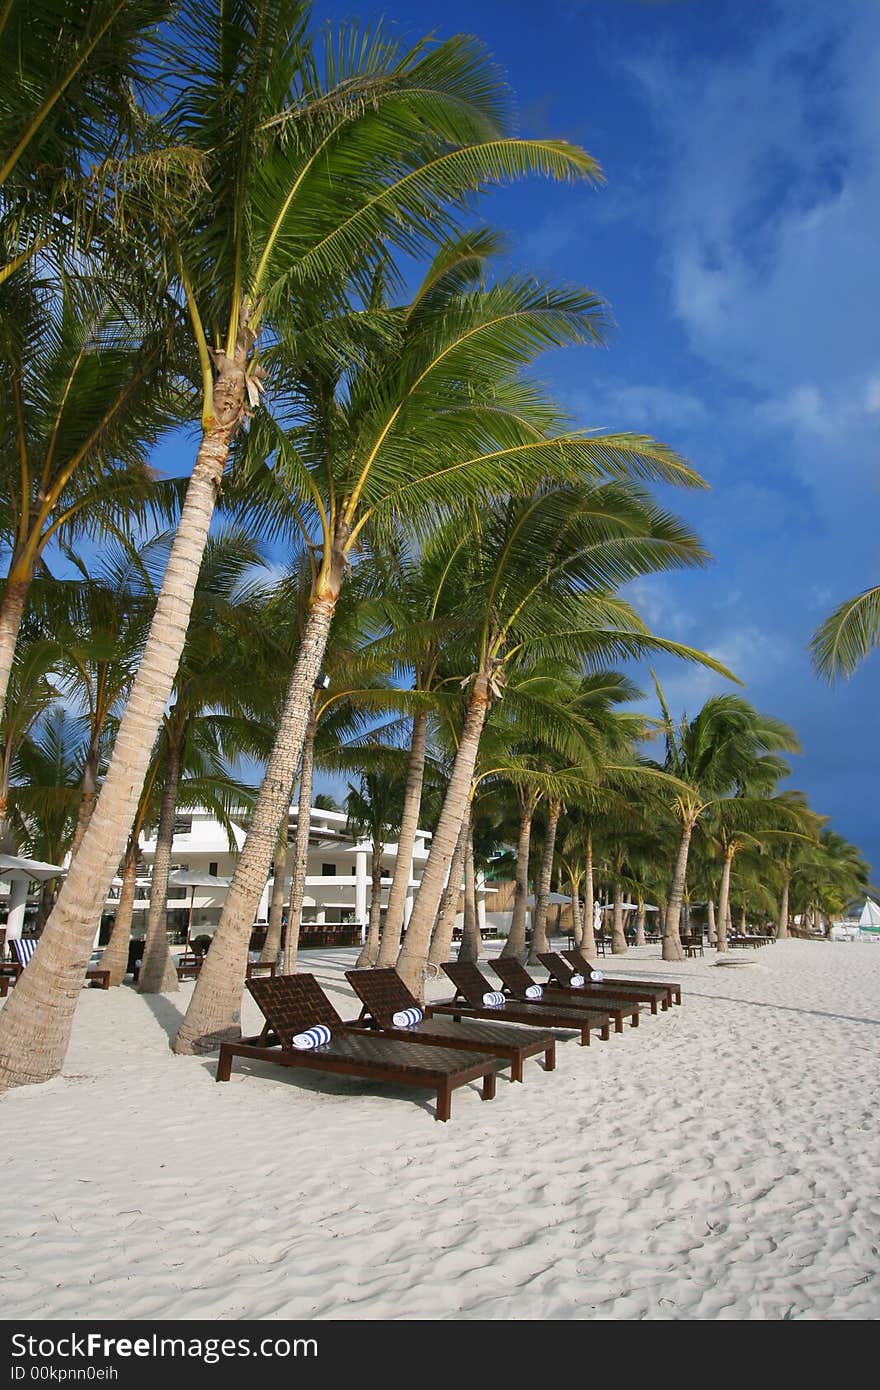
(261, 244)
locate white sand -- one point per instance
(718, 1162)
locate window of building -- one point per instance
(328, 870)
(213, 867)
(183, 825)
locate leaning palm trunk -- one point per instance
(413, 956)
(724, 903)
(540, 943)
(272, 944)
(158, 975)
(35, 1023)
(441, 941)
(713, 930)
(577, 916)
(515, 945)
(588, 940)
(370, 948)
(618, 935)
(115, 954)
(409, 824)
(11, 613)
(88, 797)
(782, 924)
(470, 932)
(214, 1013)
(300, 848)
(672, 947)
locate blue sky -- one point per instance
(735, 239)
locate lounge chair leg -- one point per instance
(550, 1058)
(444, 1101)
(489, 1085)
(606, 1032)
(516, 1067)
(654, 1005)
(636, 1017)
(585, 1037)
(665, 1003)
(224, 1063)
(618, 1022)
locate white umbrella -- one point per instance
(15, 867)
(193, 879)
(626, 907)
(553, 899)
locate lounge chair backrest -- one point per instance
(382, 992)
(578, 961)
(560, 968)
(513, 975)
(292, 1003)
(23, 948)
(468, 981)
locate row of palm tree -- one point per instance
(213, 218)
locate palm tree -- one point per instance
(848, 635)
(373, 809)
(308, 180)
(43, 796)
(711, 754)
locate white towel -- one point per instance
(597, 975)
(534, 991)
(312, 1037)
(407, 1018)
(494, 1000)
(576, 981)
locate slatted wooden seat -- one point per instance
(22, 952)
(583, 967)
(516, 980)
(561, 971)
(471, 985)
(383, 994)
(256, 968)
(292, 1003)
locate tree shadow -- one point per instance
(165, 1012)
(784, 1008)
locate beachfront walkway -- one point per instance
(720, 1161)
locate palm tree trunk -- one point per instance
(577, 920)
(413, 956)
(672, 947)
(88, 797)
(539, 916)
(782, 924)
(300, 848)
(409, 824)
(588, 941)
(713, 930)
(618, 936)
(115, 954)
(743, 920)
(272, 944)
(641, 914)
(370, 948)
(515, 945)
(441, 941)
(470, 935)
(214, 1013)
(158, 975)
(11, 612)
(35, 1022)
(724, 902)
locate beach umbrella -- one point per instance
(19, 871)
(553, 900)
(627, 907)
(193, 879)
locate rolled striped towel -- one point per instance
(312, 1037)
(494, 999)
(534, 991)
(407, 1018)
(597, 975)
(576, 981)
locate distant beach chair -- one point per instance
(189, 964)
(583, 967)
(23, 949)
(471, 986)
(383, 994)
(561, 973)
(517, 980)
(292, 1004)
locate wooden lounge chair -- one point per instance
(583, 967)
(470, 986)
(383, 994)
(188, 965)
(292, 1003)
(516, 979)
(561, 973)
(255, 968)
(23, 949)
